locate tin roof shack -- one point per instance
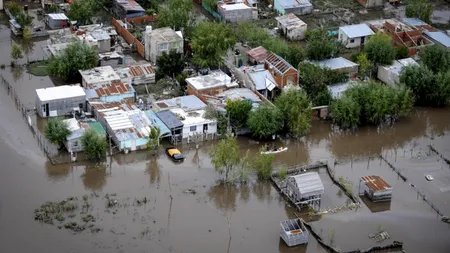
(305, 189)
(161, 40)
(235, 12)
(137, 74)
(293, 232)
(340, 64)
(77, 128)
(371, 3)
(285, 74)
(391, 74)
(292, 27)
(127, 9)
(353, 36)
(262, 81)
(402, 35)
(213, 83)
(127, 126)
(111, 92)
(375, 188)
(299, 7)
(439, 38)
(60, 100)
(336, 90)
(257, 55)
(57, 20)
(98, 76)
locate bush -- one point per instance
(320, 46)
(401, 52)
(422, 82)
(56, 131)
(435, 58)
(283, 172)
(14, 8)
(346, 112)
(238, 111)
(295, 109)
(379, 49)
(94, 144)
(263, 164)
(264, 121)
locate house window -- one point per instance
(163, 47)
(352, 40)
(75, 143)
(193, 128)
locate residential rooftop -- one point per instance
(169, 119)
(60, 92)
(215, 79)
(356, 31)
(231, 7)
(77, 128)
(135, 70)
(165, 34)
(336, 63)
(262, 78)
(397, 65)
(439, 37)
(187, 103)
(376, 183)
(192, 117)
(258, 53)
(99, 75)
(58, 16)
(290, 21)
(130, 5)
(111, 89)
(277, 62)
(379, 24)
(127, 125)
(157, 122)
(292, 4)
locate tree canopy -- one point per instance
(154, 137)
(435, 58)
(94, 145)
(264, 121)
(170, 64)
(82, 11)
(227, 160)
(24, 20)
(263, 164)
(346, 112)
(77, 56)
(421, 9)
(379, 49)
(176, 15)
(320, 46)
(295, 109)
(16, 52)
(364, 65)
(210, 43)
(56, 131)
(238, 111)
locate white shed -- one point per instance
(305, 189)
(390, 75)
(353, 36)
(57, 20)
(292, 27)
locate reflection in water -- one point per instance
(17, 73)
(262, 190)
(376, 207)
(153, 169)
(196, 159)
(94, 177)
(244, 189)
(224, 196)
(438, 120)
(57, 173)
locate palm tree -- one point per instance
(155, 135)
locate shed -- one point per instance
(60, 100)
(57, 20)
(257, 55)
(299, 7)
(292, 27)
(305, 188)
(340, 64)
(439, 38)
(103, 40)
(293, 232)
(391, 74)
(236, 12)
(336, 90)
(375, 188)
(353, 36)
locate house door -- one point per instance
(133, 145)
(47, 112)
(362, 40)
(205, 128)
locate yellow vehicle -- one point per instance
(175, 154)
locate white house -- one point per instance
(292, 27)
(353, 36)
(195, 126)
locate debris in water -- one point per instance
(190, 190)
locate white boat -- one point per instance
(429, 178)
(274, 151)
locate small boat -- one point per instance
(274, 151)
(429, 178)
(175, 154)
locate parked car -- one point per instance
(429, 177)
(175, 154)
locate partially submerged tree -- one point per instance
(170, 64)
(24, 20)
(82, 11)
(441, 93)
(226, 158)
(435, 58)
(264, 121)
(56, 131)
(379, 49)
(238, 112)
(346, 112)
(210, 43)
(16, 53)
(295, 109)
(154, 138)
(177, 15)
(421, 9)
(263, 164)
(94, 145)
(77, 56)
(320, 46)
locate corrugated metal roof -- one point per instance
(291, 21)
(308, 183)
(290, 4)
(336, 63)
(130, 5)
(187, 103)
(58, 16)
(127, 125)
(111, 89)
(157, 122)
(97, 127)
(376, 183)
(413, 21)
(355, 31)
(259, 78)
(439, 37)
(280, 64)
(169, 119)
(259, 54)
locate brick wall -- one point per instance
(129, 38)
(144, 19)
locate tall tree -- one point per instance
(435, 58)
(154, 138)
(346, 112)
(264, 121)
(77, 56)
(56, 131)
(210, 43)
(379, 49)
(238, 111)
(320, 46)
(94, 145)
(421, 81)
(82, 11)
(226, 158)
(295, 109)
(421, 9)
(24, 20)
(170, 64)
(177, 15)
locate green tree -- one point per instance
(320, 46)
(14, 8)
(16, 52)
(177, 15)
(263, 164)
(364, 65)
(238, 111)
(56, 131)
(27, 43)
(264, 121)
(421, 9)
(226, 158)
(422, 82)
(379, 49)
(170, 64)
(435, 58)
(210, 43)
(77, 56)
(94, 144)
(154, 137)
(401, 52)
(211, 4)
(210, 112)
(24, 20)
(295, 109)
(82, 11)
(52, 8)
(346, 112)
(441, 92)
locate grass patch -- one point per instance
(38, 68)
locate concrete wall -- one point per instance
(74, 145)
(298, 11)
(59, 107)
(129, 38)
(234, 16)
(295, 34)
(152, 51)
(387, 76)
(188, 134)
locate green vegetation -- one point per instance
(170, 64)
(146, 4)
(24, 20)
(227, 160)
(77, 56)
(379, 49)
(295, 109)
(263, 164)
(320, 46)
(364, 65)
(94, 144)
(211, 4)
(371, 103)
(283, 172)
(256, 36)
(264, 121)
(16, 53)
(210, 42)
(238, 112)
(401, 52)
(56, 131)
(52, 8)
(421, 9)
(435, 58)
(82, 11)
(176, 15)
(154, 137)
(315, 79)
(38, 68)
(14, 8)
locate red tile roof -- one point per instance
(376, 183)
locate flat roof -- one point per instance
(192, 118)
(376, 183)
(439, 37)
(240, 93)
(336, 63)
(169, 119)
(337, 90)
(215, 79)
(99, 75)
(166, 34)
(413, 21)
(100, 34)
(355, 31)
(291, 4)
(397, 65)
(58, 16)
(291, 21)
(60, 92)
(187, 103)
(232, 7)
